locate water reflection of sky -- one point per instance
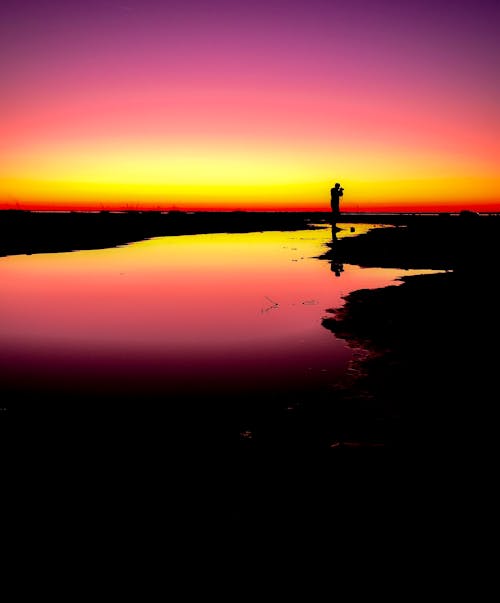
(176, 314)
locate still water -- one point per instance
(172, 316)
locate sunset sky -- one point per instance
(197, 104)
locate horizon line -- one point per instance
(249, 211)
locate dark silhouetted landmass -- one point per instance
(430, 378)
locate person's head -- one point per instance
(337, 185)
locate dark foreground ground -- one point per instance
(417, 425)
(432, 370)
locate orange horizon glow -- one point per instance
(245, 201)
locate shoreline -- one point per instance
(419, 347)
(430, 342)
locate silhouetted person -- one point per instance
(335, 193)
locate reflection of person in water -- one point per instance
(335, 193)
(336, 265)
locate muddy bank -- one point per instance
(430, 374)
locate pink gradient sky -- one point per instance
(226, 105)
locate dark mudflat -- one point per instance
(433, 339)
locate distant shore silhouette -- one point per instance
(48, 232)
